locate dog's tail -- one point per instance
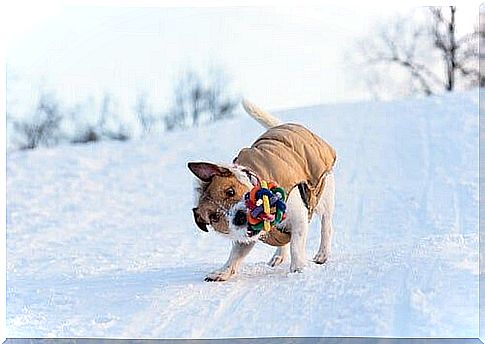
(265, 119)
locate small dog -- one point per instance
(296, 159)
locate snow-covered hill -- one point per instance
(100, 238)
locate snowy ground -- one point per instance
(100, 238)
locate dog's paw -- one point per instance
(295, 267)
(218, 276)
(276, 260)
(320, 258)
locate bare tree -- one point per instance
(197, 99)
(145, 116)
(413, 48)
(84, 128)
(460, 55)
(187, 104)
(219, 105)
(43, 128)
(481, 32)
(110, 124)
(103, 125)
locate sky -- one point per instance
(278, 57)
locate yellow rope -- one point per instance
(266, 207)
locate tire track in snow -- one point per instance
(226, 307)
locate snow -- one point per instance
(101, 242)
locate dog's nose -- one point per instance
(240, 218)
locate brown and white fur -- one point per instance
(220, 200)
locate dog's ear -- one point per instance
(205, 171)
(199, 221)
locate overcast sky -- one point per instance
(279, 58)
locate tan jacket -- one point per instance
(290, 154)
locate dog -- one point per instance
(288, 154)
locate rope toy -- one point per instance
(266, 207)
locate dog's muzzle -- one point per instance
(240, 218)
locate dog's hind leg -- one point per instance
(280, 255)
(325, 209)
(238, 252)
(297, 217)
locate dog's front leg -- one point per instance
(238, 252)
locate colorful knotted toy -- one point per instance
(266, 207)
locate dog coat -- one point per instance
(291, 155)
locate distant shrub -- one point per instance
(146, 118)
(89, 134)
(197, 100)
(43, 128)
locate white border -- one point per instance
(19, 14)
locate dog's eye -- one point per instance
(214, 217)
(230, 192)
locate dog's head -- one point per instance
(220, 198)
